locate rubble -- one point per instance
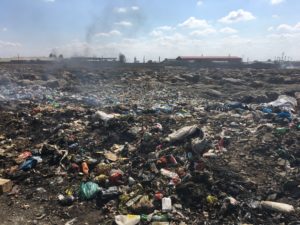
(168, 146)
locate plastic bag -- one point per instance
(127, 219)
(88, 190)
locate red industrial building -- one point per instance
(210, 59)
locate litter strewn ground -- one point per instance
(174, 145)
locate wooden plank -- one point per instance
(5, 185)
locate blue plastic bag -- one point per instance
(267, 110)
(88, 190)
(28, 164)
(284, 115)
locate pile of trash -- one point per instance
(185, 160)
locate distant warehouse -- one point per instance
(210, 59)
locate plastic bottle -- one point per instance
(282, 130)
(160, 218)
(277, 206)
(155, 218)
(166, 204)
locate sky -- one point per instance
(252, 29)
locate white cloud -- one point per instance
(228, 30)
(159, 31)
(156, 33)
(165, 28)
(271, 28)
(289, 28)
(7, 44)
(237, 16)
(125, 10)
(115, 33)
(135, 8)
(276, 2)
(4, 29)
(284, 36)
(109, 34)
(199, 3)
(121, 10)
(193, 23)
(170, 41)
(124, 23)
(203, 32)
(275, 16)
(285, 27)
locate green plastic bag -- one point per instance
(88, 190)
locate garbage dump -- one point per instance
(144, 146)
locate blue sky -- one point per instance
(254, 29)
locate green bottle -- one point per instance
(155, 218)
(160, 218)
(144, 217)
(282, 130)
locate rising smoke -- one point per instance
(110, 25)
(110, 20)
